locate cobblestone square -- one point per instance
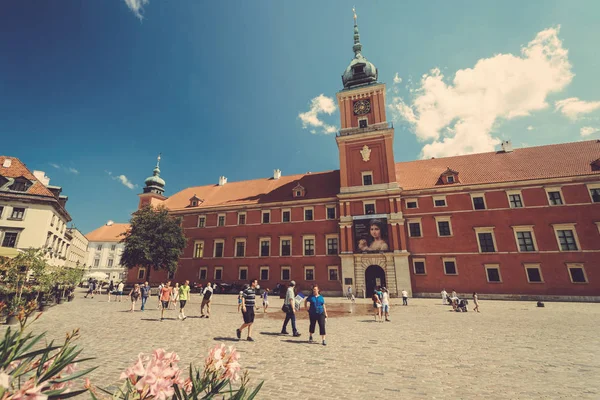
(511, 350)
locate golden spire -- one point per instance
(354, 11)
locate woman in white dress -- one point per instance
(174, 297)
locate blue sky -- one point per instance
(89, 92)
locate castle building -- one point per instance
(105, 250)
(510, 223)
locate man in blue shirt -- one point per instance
(145, 294)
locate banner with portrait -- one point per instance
(371, 234)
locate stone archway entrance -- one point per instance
(374, 277)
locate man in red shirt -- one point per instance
(165, 297)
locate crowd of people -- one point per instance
(458, 304)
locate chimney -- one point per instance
(109, 223)
(222, 180)
(276, 173)
(506, 146)
(41, 176)
(7, 163)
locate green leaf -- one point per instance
(255, 392)
(73, 376)
(68, 395)
(37, 352)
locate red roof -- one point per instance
(108, 233)
(16, 170)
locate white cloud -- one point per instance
(310, 119)
(55, 165)
(70, 170)
(504, 86)
(136, 6)
(397, 79)
(588, 130)
(530, 128)
(123, 179)
(572, 107)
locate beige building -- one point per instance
(105, 251)
(77, 256)
(32, 212)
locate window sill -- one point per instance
(445, 236)
(415, 237)
(450, 274)
(535, 283)
(494, 282)
(415, 274)
(14, 219)
(580, 283)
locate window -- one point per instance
(170, 275)
(194, 203)
(414, 228)
(241, 218)
(99, 247)
(449, 266)
(525, 238)
(450, 179)
(492, 273)
(439, 201)
(593, 188)
(419, 266)
(243, 274)
(265, 247)
(286, 247)
(53, 220)
(443, 226)
(141, 274)
(333, 273)
(96, 262)
(221, 220)
(2, 210)
(218, 273)
(198, 249)
(331, 212)
(486, 240)
(266, 217)
(412, 203)
(264, 273)
(20, 186)
(309, 246)
(309, 273)
(566, 237)
(286, 216)
(17, 213)
(332, 245)
(478, 202)
(110, 262)
(367, 178)
(362, 123)
(298, 193)
(113, 247)
(10, 239)
(203, 273)
(369, 207)
(201, 221)
(577, 273)
(308, 213)
(218, 251)
(286, 273)
(534, 273)
(515, 200)
(240, 248)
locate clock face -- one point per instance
(362, 107)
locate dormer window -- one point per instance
(298, 191)
(20, 185)
(195, 201)
(448, 177)
(595, 165)
(359, 69)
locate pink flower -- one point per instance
(29, 391)
(71, 368)
(4, 380)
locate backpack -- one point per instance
(207, 294)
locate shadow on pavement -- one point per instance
(227, 339)
(272, 333)
(297, 341)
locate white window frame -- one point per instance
(512, 193)
(196, 242)
(362, 177)
(598, 226)
(411, 200)
(203, 218)
(414, 221)
(215, 273)
(215, 248)
(263, 212)
(263, 239)
(288, 268)
(435, 198)
(492, 266)
(525, 228)
(555, 189)
(309, 268)
(205, 269)
(327, 212)
(453, 259)
(332, 236)
(591, 186)
(23, 217)
(96, 264)
(287, 210)
(337, 269)
(307, 237)
(224, 219)
(369, 202)
(236, 241)
(240, 213)
(281, 239)
(240, 269)
(261, 269)
(563, 227)
(312, 209)
(533, 266)
(478, 194)
(415, 260)
(448, 177)
(444, 218)
(110, 262)
(486, 229)
(577, 265)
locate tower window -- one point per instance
(362, 123)
(367, 178)
(359, 69)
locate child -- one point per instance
(265, 297)
(377, 306)
(476, 301)
(240, 301)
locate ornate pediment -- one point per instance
(298, 191)
(448, 177)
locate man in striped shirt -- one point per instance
(248, 301)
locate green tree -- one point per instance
(155, 240)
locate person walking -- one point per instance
(111, 288)
(385, 303)
(145, 291)
(248, 302)
(175, 296)
(317, 312)
(91, 288)
(377, 306)
(120, 288)
(476, 302)
(184, 293)
(444, 297)
(349, 293)
(404, 298)
(134, 295)
(265, 300)
(165, 298)
(289, 307)
(160, 287)
(207, 295)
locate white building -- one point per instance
(105, 251)
(77, 256)
(32, 213)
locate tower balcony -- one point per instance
(356, 130)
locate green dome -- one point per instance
(360, 71)
(155, 179)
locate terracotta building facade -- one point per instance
(523, 222)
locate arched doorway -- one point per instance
(374, 277)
